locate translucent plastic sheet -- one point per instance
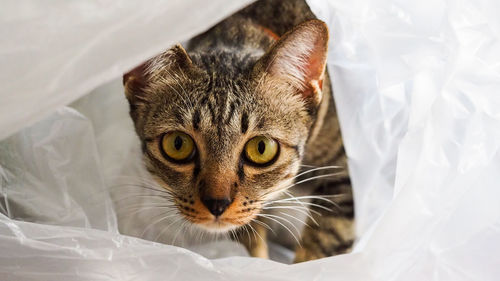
(416, 85)
(55, 51)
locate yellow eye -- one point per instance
(177, 146)
(261, 150)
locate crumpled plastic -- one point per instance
(416, 86)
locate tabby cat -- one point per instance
(241, 120)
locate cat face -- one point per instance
(225, 131)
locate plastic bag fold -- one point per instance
(416, 87)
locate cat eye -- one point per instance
(177, 147)
(261, 150)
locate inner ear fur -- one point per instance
(299, 58)
(169, 62)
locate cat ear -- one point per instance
(170, 62)
(299, 58)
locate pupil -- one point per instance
(178, 143)
(262, 147)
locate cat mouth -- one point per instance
(219, 224)
(239, 213)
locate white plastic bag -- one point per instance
(416, 85)
(55, 51)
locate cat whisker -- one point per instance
(292, 217)
(143, 187)
(138, 181)
(217, 237)
(271, 193)
(286, 207)
(148, 205)
(268, 194)
(317, 169)
(138, 210)
(314, 178)
(157, 221)
(135, 178)
(227, 235)
(256, 233)
(148, 193)
(305, 165)
(275, 219)
(202, 234)
(317, 197)
(303, 210)
(199, 235)
(313, 205)
(248, 234)
(118, 200)
(234, 235)
(181, 227)
(321, 197)
(253, 232)
(264, 225)
(166, 228)
(296, 199)
(190, 230)
(146, 183)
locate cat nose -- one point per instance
(216, 206)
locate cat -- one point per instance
(242, 119)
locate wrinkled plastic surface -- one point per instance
(55, 51)
(416, 85)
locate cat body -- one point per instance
(241, 120)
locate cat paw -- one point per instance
(260, 251)
(304, 254)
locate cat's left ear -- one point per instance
(171, 62)
(139, 83)
(299, 59)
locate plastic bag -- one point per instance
(55, 51)
(416, 86)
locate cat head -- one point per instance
(225, 132)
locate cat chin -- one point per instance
(217, 227)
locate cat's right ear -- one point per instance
(138, 81)
(298, 58)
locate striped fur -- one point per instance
(257, 73)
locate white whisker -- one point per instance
(143, 208)
(181, 227)
(271, 217)
(155, 222)
(164, 229)
(248, 234)
(309, 204)
(264, 225)
(297, 219)
(256, 233)
(304, 210)
(317, 169)
(299, 182)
